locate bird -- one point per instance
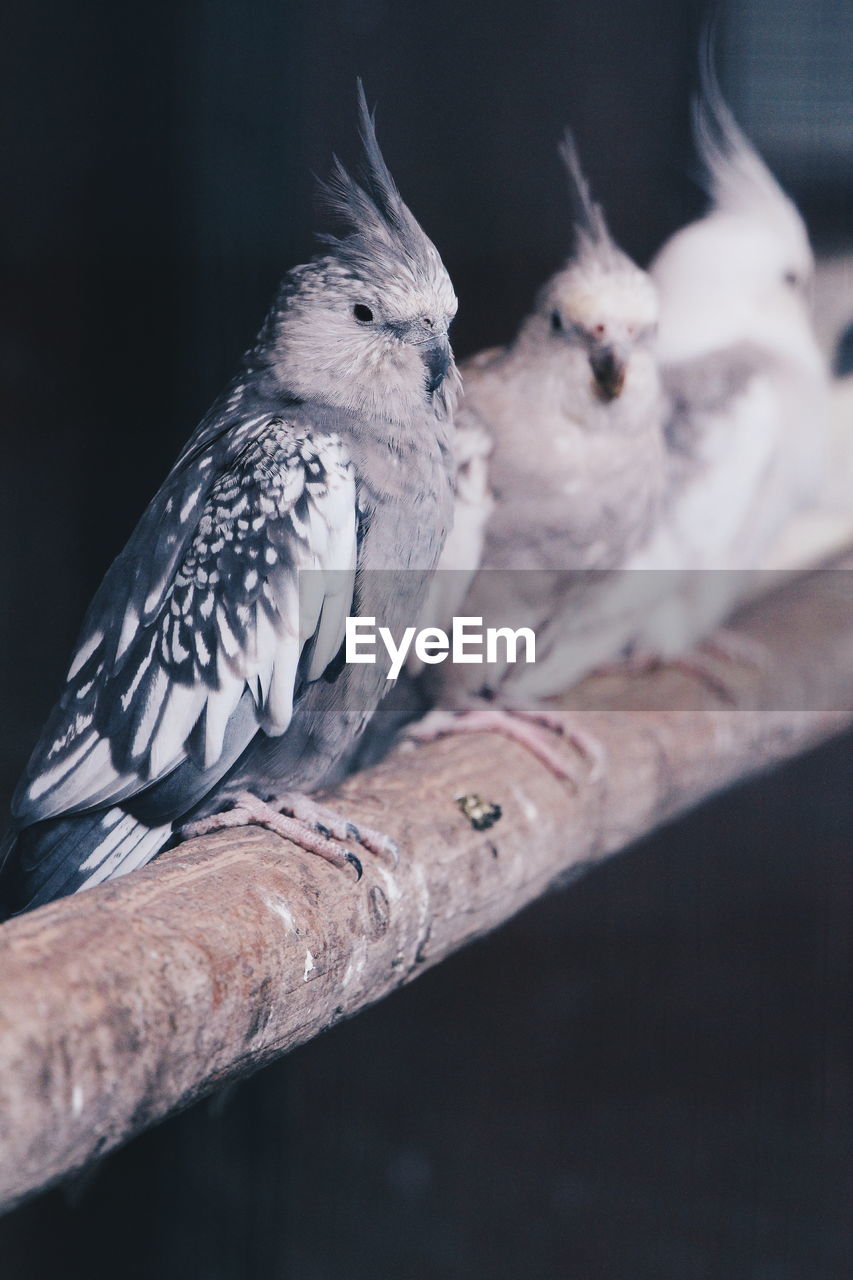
(743, 420)
(211, 657)
(746, 413)
(561, 466)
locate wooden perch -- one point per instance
(126, 1002)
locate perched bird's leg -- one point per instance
(736, 646)
(311, 826)
(586, 743)
(335, 825)
(703, 662)
(530, 727)
(639, 662)
(724, 646)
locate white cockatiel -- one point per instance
(743, 417)
(561, 466)
(747, 411)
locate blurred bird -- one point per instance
(745, 425)
(201, 659)
(842, 365)
(560, 467)
(747, 404)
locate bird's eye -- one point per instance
(362, 313)
(599, 330)
(556, 322)
(791, 278)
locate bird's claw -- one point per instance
(354, 862)
(521, 725)
(304, 821)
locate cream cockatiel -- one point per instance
(560, 455)
(744, 419)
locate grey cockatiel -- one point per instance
(561, 461)
(202, 655)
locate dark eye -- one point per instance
(791, 278)
(556, 322)
(362, 313)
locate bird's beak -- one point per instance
(433, 346)
(609, 367)
(437, 358)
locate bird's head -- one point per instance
(742, 272)
(599, 313)
(605, 317)
(365, 324)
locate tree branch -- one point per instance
(126, 1002)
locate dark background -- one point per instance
(648, 1074)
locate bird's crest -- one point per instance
(381, 225)
(593, 238)
(734, 175)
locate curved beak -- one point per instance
(609, 367)
(437, 357)
(433, 347)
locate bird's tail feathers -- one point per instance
(7, 844)
(64, 855)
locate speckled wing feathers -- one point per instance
(160, 680)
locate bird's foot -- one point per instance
(639, 662)
(705, 663)
(736, 646)
(339, 827)
(708, 660)
(300, 819)
(531, 727)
